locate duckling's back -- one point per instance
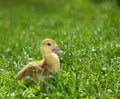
(31, 69)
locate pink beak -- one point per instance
(57, 50)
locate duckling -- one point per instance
(42, 68)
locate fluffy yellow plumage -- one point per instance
(49, 63)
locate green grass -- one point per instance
(87, 31)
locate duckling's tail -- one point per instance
(22, 73)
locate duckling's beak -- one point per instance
(57, 50)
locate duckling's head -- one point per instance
(49, 46)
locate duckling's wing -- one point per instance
(31, 69)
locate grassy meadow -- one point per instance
(88, 31)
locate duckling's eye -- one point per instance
(48, 44)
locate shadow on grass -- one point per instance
(45, 6)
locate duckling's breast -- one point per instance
(53, 63)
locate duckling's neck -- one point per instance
(52, 62)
